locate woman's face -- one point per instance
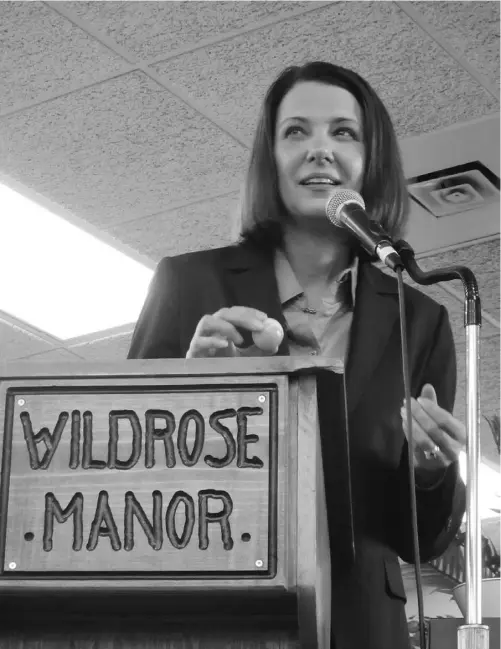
(318, 147)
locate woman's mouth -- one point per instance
(321, 187)
(320, 182)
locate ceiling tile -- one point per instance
(374, 38)
(53, 355)
(153, 29)
(114, 348)
(489, 363)
(119, 150)
(453, 304)
(477, 257)
(207, 224)
(455, 309)
(483, 260)
(489, 350)
(16, 342)
(472, 28)
(489, 374)
(42, 52)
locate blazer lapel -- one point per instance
(251, 281)
(374, 320)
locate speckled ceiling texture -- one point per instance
(134, 120)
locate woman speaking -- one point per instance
(323, 128)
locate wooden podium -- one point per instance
(163, 504)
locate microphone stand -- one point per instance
(473, 634)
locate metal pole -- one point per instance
(473, 634)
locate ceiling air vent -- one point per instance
(456, 189)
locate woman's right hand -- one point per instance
(217, 334)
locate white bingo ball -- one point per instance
(270, 336)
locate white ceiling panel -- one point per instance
(207, 224)
(483, 260)
(465, 142)
(462, 142)
(114, 348)
(398, 58)
(154, 29)
(53, 356)
(43, 52)
(455, 310)
(489, 374)
(93, 128)
(119, 150)
(472, 28)
(16, 342)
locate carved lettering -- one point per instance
(184, 515)
(87, 460)
(205, 517)
(51, 441)
(243, 439)
(235, 447)
(75, 440)
(114, 417)
(180, 542)
(103, 524)
(153, 434)
(224, 431)
(190, 459)
(54, 510)
(153, 531)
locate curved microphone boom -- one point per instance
(346, 209)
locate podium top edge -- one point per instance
(170, 367)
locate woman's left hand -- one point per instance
(438, 437)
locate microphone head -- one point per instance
(339, 198)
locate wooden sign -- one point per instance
(165, 480)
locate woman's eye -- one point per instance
(344, 131)
(292, 130)
(353, 134)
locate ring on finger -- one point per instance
(429, 455)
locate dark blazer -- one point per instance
(367, 591)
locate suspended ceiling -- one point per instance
(134, 120)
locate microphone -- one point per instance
(346, 209)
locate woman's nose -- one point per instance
(320, 155)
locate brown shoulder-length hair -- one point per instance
(384, 186)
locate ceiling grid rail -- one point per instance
(407, 8)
